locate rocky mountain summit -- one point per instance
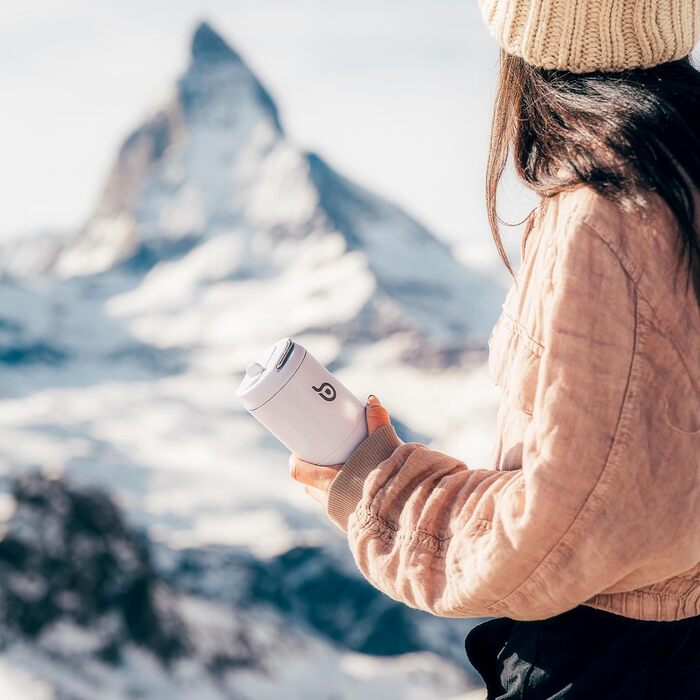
(211, 184)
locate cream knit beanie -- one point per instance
(594, 35)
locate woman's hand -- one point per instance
(316, 478)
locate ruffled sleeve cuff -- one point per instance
(346, 489)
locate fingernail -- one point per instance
(291, 460)
(373, 400)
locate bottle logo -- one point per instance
(325, 391)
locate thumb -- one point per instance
(377, 415)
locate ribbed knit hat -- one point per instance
(594, 35)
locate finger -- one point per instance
(316, 494)
(377, 415)
(311, 474)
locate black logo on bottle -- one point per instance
(325, 391)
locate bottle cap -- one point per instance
(270, 372)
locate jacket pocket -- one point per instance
(514, 361)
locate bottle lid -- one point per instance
(265, 376)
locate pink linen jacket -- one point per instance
(593, 496)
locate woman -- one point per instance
(583, 537)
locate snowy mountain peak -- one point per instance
(218, 84)
(209, 191)
(208, 45)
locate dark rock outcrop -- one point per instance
(67, 555)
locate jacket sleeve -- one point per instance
(533, 542)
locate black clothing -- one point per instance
(587, 654)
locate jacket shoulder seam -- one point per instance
(635, 274)
(631, 269)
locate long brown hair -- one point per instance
(625, 134)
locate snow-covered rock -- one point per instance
(85, 605)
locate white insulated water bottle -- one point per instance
(302, 404)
